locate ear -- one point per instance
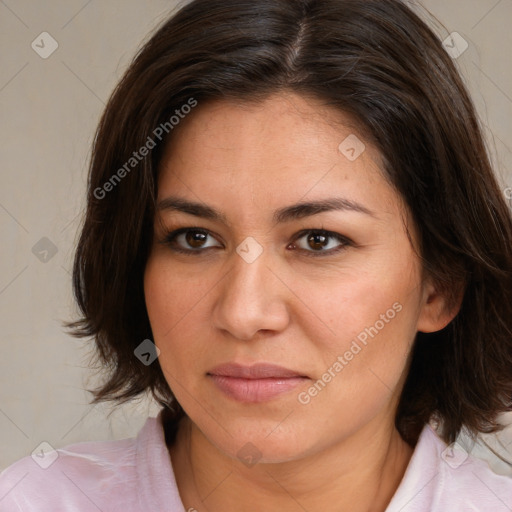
(436, 312)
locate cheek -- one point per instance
(340, 306)
(175, 303)
(171, 295)
(367, 322)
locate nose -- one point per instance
(251, 298)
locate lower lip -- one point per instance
(255, 390)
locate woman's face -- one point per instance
(257, 286)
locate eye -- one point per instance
(188, 240)
(194, 241)
(321, 242)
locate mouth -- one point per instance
(258, 383)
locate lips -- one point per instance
(258, 383)
(256, 371)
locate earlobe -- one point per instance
(436, 312)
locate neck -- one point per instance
(360, 474)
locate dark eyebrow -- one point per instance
(286, 214)
(306, 209)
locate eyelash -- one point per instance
(169, 240)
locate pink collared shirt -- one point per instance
(136, 475)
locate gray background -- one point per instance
(49, 109)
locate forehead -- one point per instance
(287, 147)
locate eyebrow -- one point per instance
(286, 214)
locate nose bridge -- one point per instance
(251, 298)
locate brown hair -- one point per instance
(380, 63)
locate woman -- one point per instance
(291, 205)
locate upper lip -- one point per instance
(256, 371)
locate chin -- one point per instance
(254, 445)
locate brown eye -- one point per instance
(321, 243)
(190, 240)
(195, 238)
(317, 241)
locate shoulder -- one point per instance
(80, 476)
(128, 475)
(440, 478)
(467, 480)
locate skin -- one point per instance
(341, 450)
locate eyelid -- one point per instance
(171, 235)
(343, 240)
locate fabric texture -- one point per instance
(136, 475)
